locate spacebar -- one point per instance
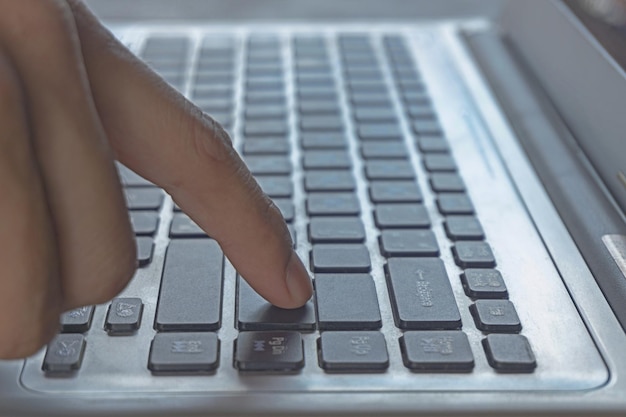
(191, 286)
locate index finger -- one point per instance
(164, 138)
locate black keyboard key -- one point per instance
(432, 144)
(191, 287)
(276, 186)
(483, 283)
(421, 295)
(366, 86)
(345, 351)
(463, 228)
(264, 112)
(446, 182)
(145, 249)
(323, 141)
(387, 216)
(439, 163)
(332, 204)
(495, 316)
(384, 150)
(473, 255)
(184, 353)
(421, 111)
(437, 351)
(336, 230)
(265, 129)
(321, 107)
(454, 203)
(268, 165)
(379, 131)
(389, 170)
(326, 159)
(395, 192)
(375, 115)
(317, 94)
(340, 258)
(346, 302)
(278, 146)
(144, 223)
(415, 97)
(321, 124)
(408, 243)
(509, 353)
(255, 313)
(286, 208)
(182, 226)
(270, 351)
(143, 198)
(124, 316)
(64, 354)
(77, 320)
(329, 180)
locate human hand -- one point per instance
(73, 99)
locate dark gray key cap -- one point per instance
(473, 255)
(379, 131)
(124, 316)
(265, 128)
(421, 111)
(212, 91)
(321, 124)
(509, 353)
(384, 150)
(463, 228)
(374, 114)
(389, 170)
(326, 159)
(423, 127)
(415, 97)
(370, 100)
(433, 144)
(366, 86)
(362, 351)
(263, 112)
(373, 74)
(342, 258)
(286, 208)
(394, 192)
(329, 180)
(307, 81)
(184, 353)
(456, 203)
(144, 223)
(77, 320)
(255, 313)
(421, 295)
(316, 94)
(437, 351)
(265, 84)
(276, 186)
(272, 98)
(64, 354)
(323, 141)
(336, 230)
(214, 77)
(145, 248)
(143, 198)
(331, 204)
(346, 302)
(270, 351)
(388, 216)
(446, 182)
(191, 286)
(439, 163)
(495, 316)
(483, 283)
(319, 107)
(130, 178)
(182, 226)
(278, 146)
(408, 243)
(268, 164)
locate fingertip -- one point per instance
(298, 282)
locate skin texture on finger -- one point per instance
(164, 138)
(93, 235)
(30, 296)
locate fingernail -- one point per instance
(298, 281)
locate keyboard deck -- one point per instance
(428, 273)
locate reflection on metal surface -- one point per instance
(616, 244)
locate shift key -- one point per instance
(421, 295)
(191, 286)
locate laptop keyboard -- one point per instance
(337, 128)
